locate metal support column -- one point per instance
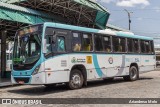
(3, 53)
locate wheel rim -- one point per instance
(76, 80)
(133, 73)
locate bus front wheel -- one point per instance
(133, 74)
(76, 79)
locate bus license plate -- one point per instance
(21, 82)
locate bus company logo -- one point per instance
(78, 60)
(73, 60)
(110, 60)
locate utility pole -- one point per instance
(129, 18)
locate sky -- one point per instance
(145, 15)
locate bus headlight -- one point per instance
(36, 70)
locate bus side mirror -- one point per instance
(44, 46)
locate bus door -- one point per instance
(57, 63)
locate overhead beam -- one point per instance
(11, 1)
(24, 15)
(77, 12)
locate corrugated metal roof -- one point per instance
(89, 3)
(29, 11)
(11, 1)
(101, 17)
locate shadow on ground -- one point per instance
(42, 90)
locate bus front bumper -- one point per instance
(33, 79)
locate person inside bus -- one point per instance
(77, 47)
(108, 49)
(61, 44)
(87, 45)
(76, 42)
(87, 42)
(119, 48)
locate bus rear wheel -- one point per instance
(76, 79)
(133, 74)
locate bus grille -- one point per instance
(25, 80)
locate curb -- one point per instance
(5, 84)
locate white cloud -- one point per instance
(132, 3)
(139, 18)
(157, 9)
(106, 1)
(127, 3)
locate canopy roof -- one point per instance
(76, 12)
(13, 17)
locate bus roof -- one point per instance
(91, 30)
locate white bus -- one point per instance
(52, 53)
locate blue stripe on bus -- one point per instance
(42, 59)
(96, 65)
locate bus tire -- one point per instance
(76, 79)
(133, 74)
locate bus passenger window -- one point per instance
(130, 45)
(76, 42)
(98, 43)
(61, 44)
(143, 49)
(107, 44)
(147, 46)
(135, 46)
(119, 44)
(87, 42)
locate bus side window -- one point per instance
(87, 44)
(135, 46)
(119, 44)
(76, 42)
(98, 43)
(143, 48)
(107, 44)
(130, 45)
(61, 44)
(147, 46)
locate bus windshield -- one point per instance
(27, 47)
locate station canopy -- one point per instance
(13, 17)
(85, 13)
